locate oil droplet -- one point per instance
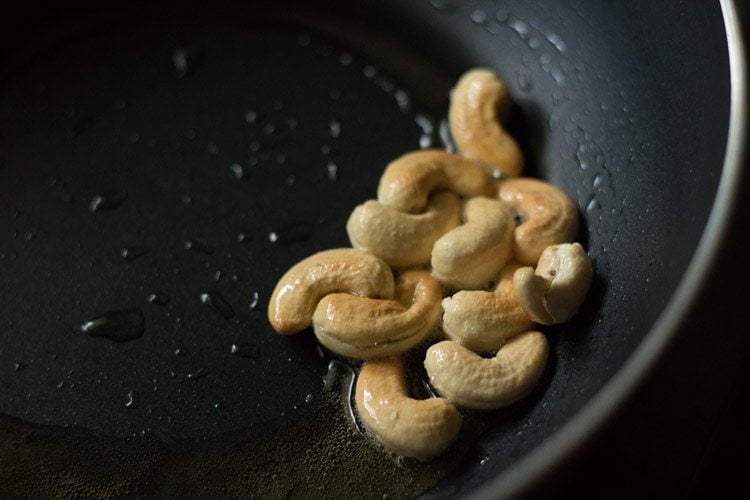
(479, 17)
(524, 80)
(130, 254)
(130, 403)
(184, 59)
(198, 246)
(292, 233)
(244, 237)
(106, 201)
(118, 326)
(179, 352)
(309, 398)
(237, 171)
(332, 170)
(251, 116)
(199, 373)
(250, 351)
(335, 128)
(345, 59)
(215, 301)
(254, 301)
(557, 42)
(19, 365)
(292, 123)
(217, 276)
(159, 299)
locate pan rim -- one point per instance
(583, 426)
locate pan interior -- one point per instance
(162, 164)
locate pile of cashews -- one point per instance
(477, 262)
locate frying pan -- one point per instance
(162, 165)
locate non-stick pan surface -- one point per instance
(165, 166)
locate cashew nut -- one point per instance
(556, 290)
(348, 270)
(478, 101)
(421, 429)
(472, 254)
(547, 216)
(471, 381)
(408, 181)
(363, 328)
(482, 321)
(403, 240)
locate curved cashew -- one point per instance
(421, 429)
(408, 181)
(340, 270)
(556, 290)
(362, 328)
(482, 321)
(548, 216)
(472, 254)
(471, 381)
(403, 240)
(477, 103)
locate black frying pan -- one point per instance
(161, 166)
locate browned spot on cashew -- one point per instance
(481, 320)
(471, 381)
(478, 102)
(403, 240)
(340, 270)
(556, 290)
(421, 429)
(362, 328)
(408, 181)
(547, 216)
(472, 254)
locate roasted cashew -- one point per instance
(556, 290)
(547, 216)
(362, 328)
(403, 240)
(478, 101)
(471, 381)
(340, 270)
(408, 181)
(472, 254)
(481, 320)
(421, 429)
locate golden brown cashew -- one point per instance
(478, 102)
(421, 429)
(471, 381)
(340, 270)
(472, 254)
(362, 328)
(547, 216)
(556, 290)
(408, 181)
(403, 240)
(482, 321)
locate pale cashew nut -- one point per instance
(472, 254)
(421, 429)
(553, 293)
(408, 180)
(403, 240)
(471, 381)
(482, 321)
(547, 216)
(478, 102)
(363, 328)
(348, 270)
